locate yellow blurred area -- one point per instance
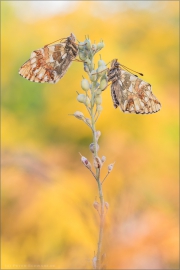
(48, 221)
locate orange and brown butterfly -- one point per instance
(130, 93)
(50, 63)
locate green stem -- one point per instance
(98, 181)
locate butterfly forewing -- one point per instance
(49, 64)
(130, 93)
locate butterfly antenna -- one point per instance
(131, 70)
(55, 41)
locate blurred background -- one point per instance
(47, 216)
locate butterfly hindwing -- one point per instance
(49, 64)
(130, 93)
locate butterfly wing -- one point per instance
(133, 95)
(48, 64)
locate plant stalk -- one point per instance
(98, 266)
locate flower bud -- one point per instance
(88, 165)
(82, 55)
(110, 167)
(87, 103)
(86, 68)
(88, 61)
(96, 205)
(97, 84)
(92, 148)
(103, 159)
(100, 45)
(88, 121)
(93, 75)
(81, 98)
(101, 70)
(91, 66)
(103, 84)
(85, 85)
(94, 261)
(106, 204)
(104, 77)
(88, 44)
(94, 47)
(98, 91)
(85, 162)
(97, 162)
(99, 108)
(79, 115)
(101, 63)
(98, 100)
(103, 257)
(81, 46)
(98, 134)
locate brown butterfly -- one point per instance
(49, 64)
(130, 93)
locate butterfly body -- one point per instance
(130, 93)
(50, 63)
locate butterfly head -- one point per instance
(114, 63)
(72, 38)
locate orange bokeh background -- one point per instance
(47, 216)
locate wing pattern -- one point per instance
(130, 93)
(49, 64)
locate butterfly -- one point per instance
(129, 92)
(50, 63)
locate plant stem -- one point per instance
(104, 178)
(98, 182)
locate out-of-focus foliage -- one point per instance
(47, 194)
